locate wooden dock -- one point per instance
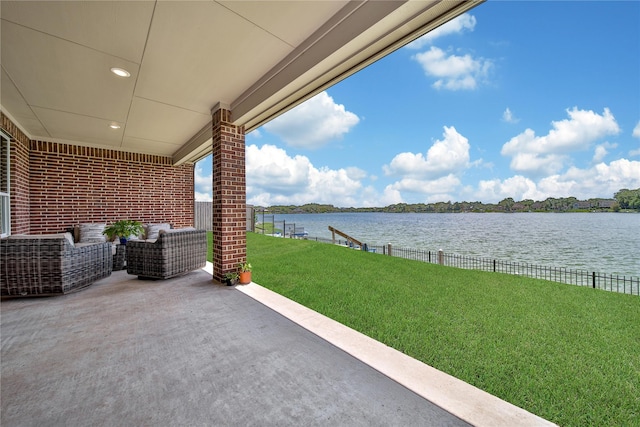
(335, 231)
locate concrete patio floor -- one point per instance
(188, 352)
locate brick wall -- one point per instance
(59, 185)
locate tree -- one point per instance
(507, 204)
(628, 199)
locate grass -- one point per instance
(566, 353)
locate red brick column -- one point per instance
(229, 194)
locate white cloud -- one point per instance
(545, 155)
(390, 196)
(450, 155)
(446, 183)
(518, 187)
(356, 173)
(313, 123)
(437, 198)
(270, 169)
(462, 23)
(534, 164)
(601, 151)
(601, 180)
(453, 72)
(433, 174)
(203, 197)
(202, 185)
(508, 116)
(274, 177)
(254, 134)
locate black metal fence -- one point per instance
(609, 282)
(266, 224)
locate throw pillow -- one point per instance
(69, 237)
(154, 229)
(92, 233)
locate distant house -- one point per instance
(606, 204)
(582, 205)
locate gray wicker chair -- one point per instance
(50, 264)
(174, 252)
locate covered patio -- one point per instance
(183, 352)
(106, 106)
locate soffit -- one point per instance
(260, 57)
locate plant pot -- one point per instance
(230, 282)
(123, 240)
(245, 277)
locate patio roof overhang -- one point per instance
(258, 59)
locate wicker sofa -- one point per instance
(174, 252)
(39, 265)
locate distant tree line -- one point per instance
(623, 200)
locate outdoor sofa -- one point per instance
(50, 264)
(174, 252)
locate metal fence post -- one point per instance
(593, 279)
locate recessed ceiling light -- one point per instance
(114, 126)
(120, 72)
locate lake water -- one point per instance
(602, 242)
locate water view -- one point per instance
(602, 242)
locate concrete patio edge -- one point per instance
(461, 399)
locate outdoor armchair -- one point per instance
(174, 252)
(38, 265)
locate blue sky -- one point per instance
(521, 99)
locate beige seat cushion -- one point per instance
(67, 236)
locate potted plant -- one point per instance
(123, 229)
(245, 273)
(231, 278)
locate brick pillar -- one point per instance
(229, 194)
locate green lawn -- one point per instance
(566, 353)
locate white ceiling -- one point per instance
(258, 58)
